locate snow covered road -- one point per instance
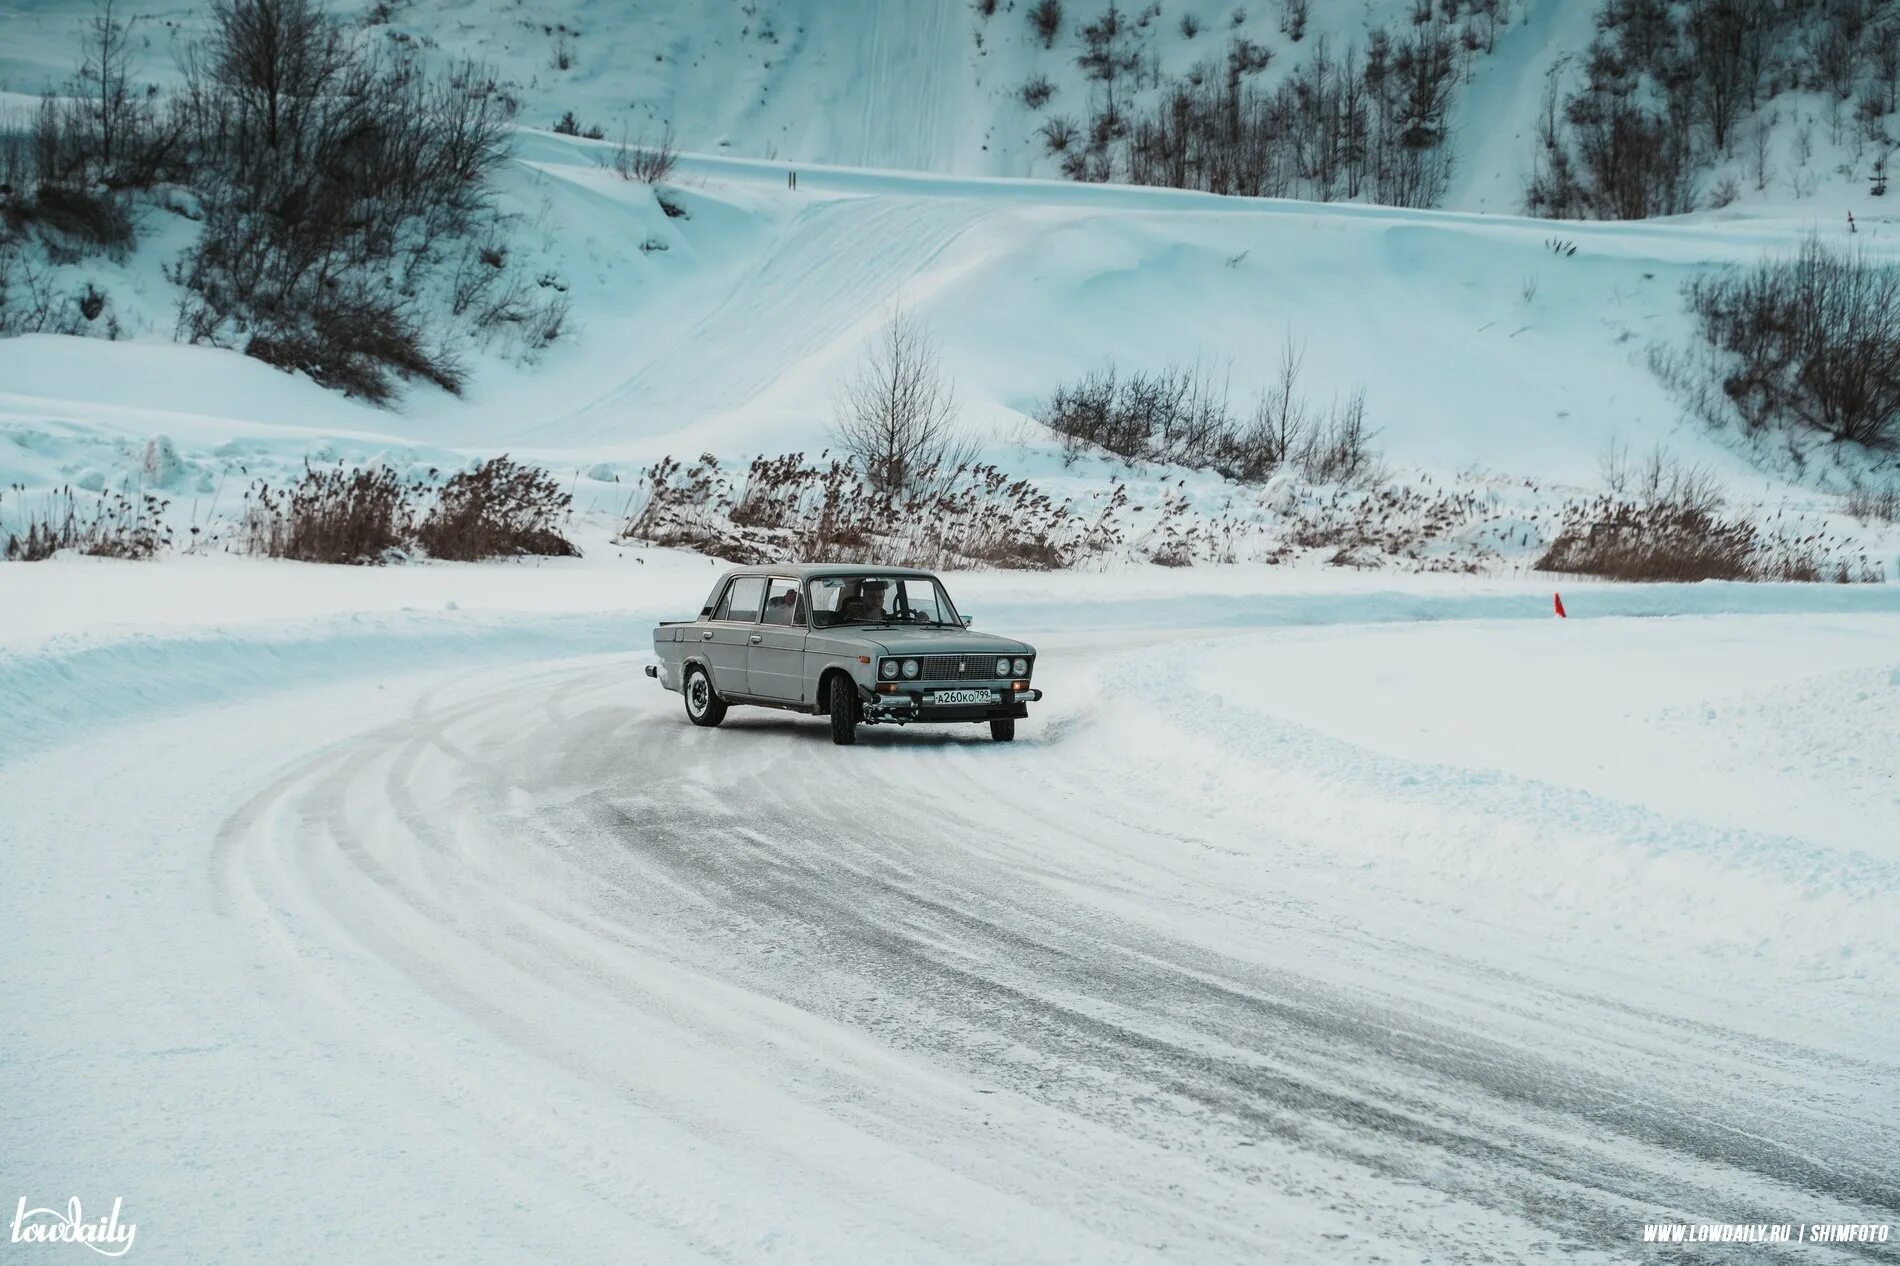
(512, 964)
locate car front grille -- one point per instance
(958, 667)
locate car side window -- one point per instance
(921, 597)
(826, 596)
(782, 605)
(741, 601)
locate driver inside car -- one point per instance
(868, 604)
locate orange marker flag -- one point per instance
(1560, 607)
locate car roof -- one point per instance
(805, 571)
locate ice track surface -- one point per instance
(517, 965)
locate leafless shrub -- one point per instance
(354, 340)
(1338, 449)
(333, 515)
(1658, 476)
(1874, 504)
(1811, 342)
(787, 507)
(500, 509)
(1045, 18)
(84, 215)
(1371, 123)
(1244, 57)
(1036, 92)
(649, 163)
(1058, 133)
(31, 301)
(1667, 91)
(334, 175)
(568, 125)
(897, 414)
(1615, 466)
(546, 321)
(1664, 541)
(1293, 18)
(791, 507)
(1181, 415)
(125, 524)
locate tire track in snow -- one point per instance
(952, 942)
(831, 271)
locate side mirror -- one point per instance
(968, 620)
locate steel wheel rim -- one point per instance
(696, 695)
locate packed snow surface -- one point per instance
(1305, 919)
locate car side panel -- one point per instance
(724, 646)
(825, 651)
(775, 666)
(727, 643)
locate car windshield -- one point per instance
(838, 600)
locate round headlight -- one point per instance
(910, 668)
(1002, 668)
(888, 668)
(1022, 668)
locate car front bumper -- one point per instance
(910, 704)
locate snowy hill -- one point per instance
(929, 85)
(1491, 350)
(1495, 352)
(935, 85)
(1479, 339)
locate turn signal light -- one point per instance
(1020, 686)
(887, 688)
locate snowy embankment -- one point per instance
(1503, 359)
(1309, 916)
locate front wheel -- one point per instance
(1003, 729)
(703, 707)
(844, 713)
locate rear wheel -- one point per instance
(844, 712)
(1003, 729)
(703, 707)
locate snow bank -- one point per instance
(86, 643)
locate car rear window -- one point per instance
(741, 601)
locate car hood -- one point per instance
(933, 641)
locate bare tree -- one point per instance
(277, 57)
(105, 73)
(897, 416)
(1108, 52)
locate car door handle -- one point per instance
(706, 636)
(755, 639)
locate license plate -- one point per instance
(963, 696)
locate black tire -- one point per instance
(844, 712)
(703, 706)
(1003, 729)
